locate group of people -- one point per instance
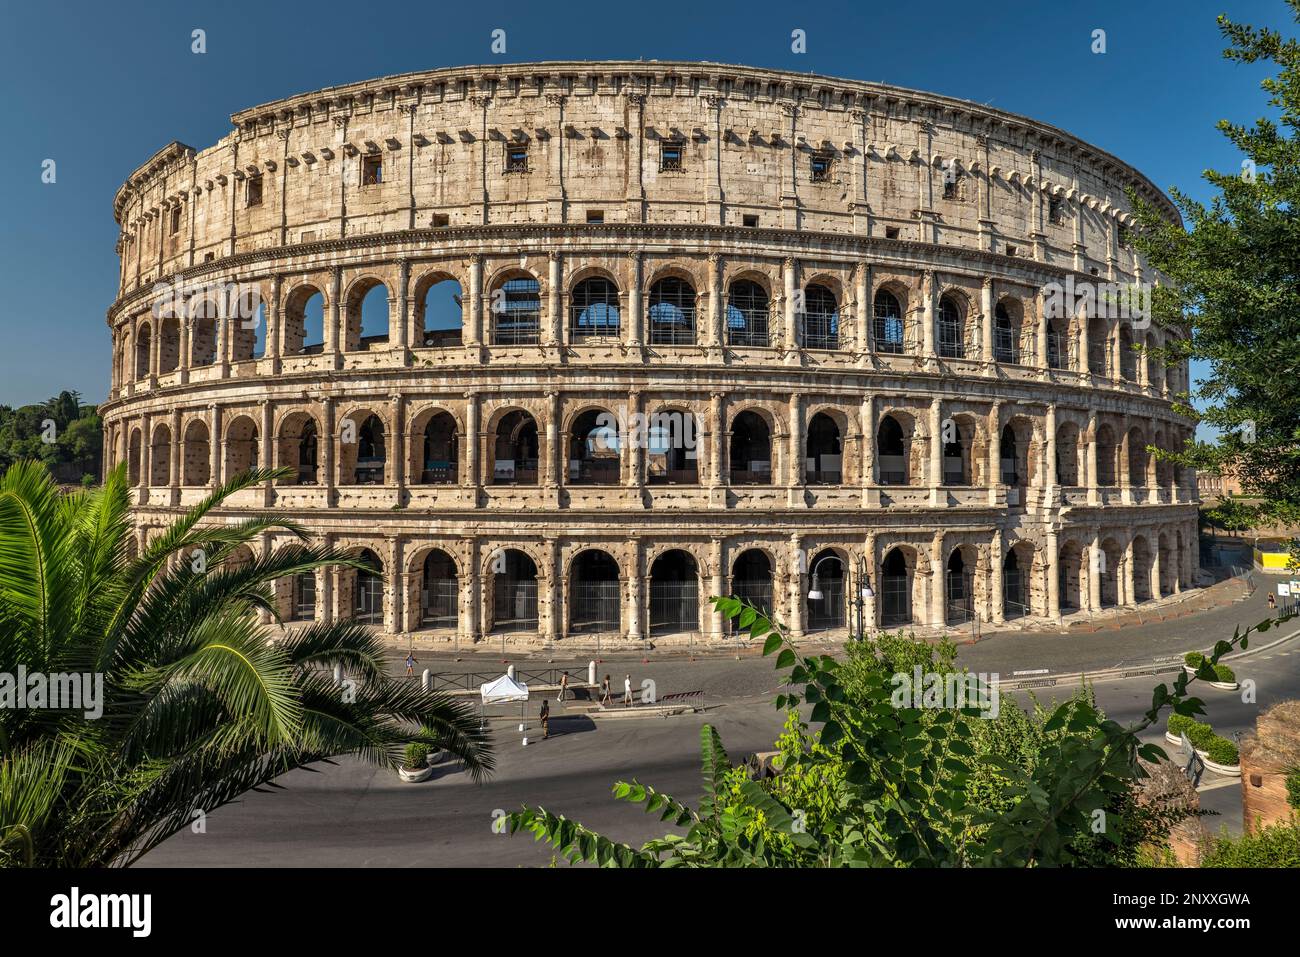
(606, 698)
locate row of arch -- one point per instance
(597, 595)
(596, 451)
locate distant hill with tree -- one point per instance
(63, 432)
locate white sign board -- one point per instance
(1283, 590)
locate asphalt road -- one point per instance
(351, 815)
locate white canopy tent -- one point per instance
(502, 690)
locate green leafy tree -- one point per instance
(1234, 276)
(199, 704)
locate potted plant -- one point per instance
(415, 763)
(1218, 753)
(1225, 678)
(1220, 756)
(1192, 661)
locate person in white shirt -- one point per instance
(627, 690)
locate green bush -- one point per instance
(417, 756)
(1193, 659)
(1293, 788)
(1180, 724)
(1221, 751)
(1225, 674)
(1277, 845)
(1201, 735)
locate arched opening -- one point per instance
(133, 458)
(439, 591)
(196, 463)
(895, 589)
(959, 590)
(823, 452)
(952, 328)
(439, 312)
(1060, 349)
(887, 328)
(674, 593)
(748, 312)
(1168, 567)
(1127, 356)
(821, 329)
(1070, 578)
(751, 579)
(826, 597)
(594, 593)
(751, 450)
(304, 322)
(1141, 569)
(672, 312)
(299, 449)
(247, 326)
(1006, 333)
(517, 312)
(891, 452)
(1109, 571)
(593, 310)
(1015, 590)
(302, 604)
(142, 341)
(1107, 457)
(514, 592)
(593, 449)
(957, 436)
(1098, 340)
(368, 596)
(366, 316)
(1139, 459)
(160, 457)
(169, 345)
(241, 446)
(203, 341)
(1067, 454)
(515, 450)
(671, 449)
(439, 451)
(363, 460)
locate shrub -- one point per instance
(417, 756)
(1225, 674)
(1193, 659)
(1180, 723)
(1277, 845)
(1293, 788)
(1221, 751)
(1201, 735)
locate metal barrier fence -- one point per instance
(438, 600)
(514, 605)
(674, 606)
(594, 606)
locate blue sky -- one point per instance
(98, 87)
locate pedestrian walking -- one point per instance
(606, 697)
(546, 720)
(1272, 601)
(564, 686)
(627, 691)
(410, 664)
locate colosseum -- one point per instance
(560, 350)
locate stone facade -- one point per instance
(830, 296)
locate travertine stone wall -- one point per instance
(810, 269)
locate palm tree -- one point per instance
(200, 702)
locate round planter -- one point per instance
(1173, 738)
(1225, 685)
(1228, 770)
(415, 777)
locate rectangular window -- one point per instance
(595, 216)
(441, 220)
(176, 220)
(1011, 250)
(749, 219)
(517, 158)
(821, 168)
(1055, 211)
(253, 191)
(372, 170)
(670, 157)
(891, 232)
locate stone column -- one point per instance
(275, 323)
(1095, 559)
(1157, 587)
(1125, 578)
(927, 314)
(936, 443)
(551, 619)
(396, 588)
(174, 459)
(789, 316)
(796, 587)
(1053, 576)
(716, 334)
(862, 291)
(995, 451)
(634, 317)
(216, 442)
(1040, 339)
(986, 327)
(470, 476)
(325, 587)
(187, 349)
(1082, 361)
(402, 339)
(632, 439)
(473, 323)
(553, 333)
(995, 574)
(331, 450)
(398, 455)
(938, 610)
(717, 433)
(635, 603)
(1091, 476)
(265, 448)
(795, 470)
(334, 332)
(1049, 426)
(867, 468)
(717, 589)
(556, 454)
(470, 628)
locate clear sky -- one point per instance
(99, 86)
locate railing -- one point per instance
(757, 476)
(821, 331)
(515, 606)
(593, 472)
(824, 477)
(524, 473)
(594, 606)
(752, 333)
(674, 606)
(517, 332)
(472, 680)
(438, 600)
(672, 334)
(674, 477)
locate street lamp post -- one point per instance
(860, 590)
